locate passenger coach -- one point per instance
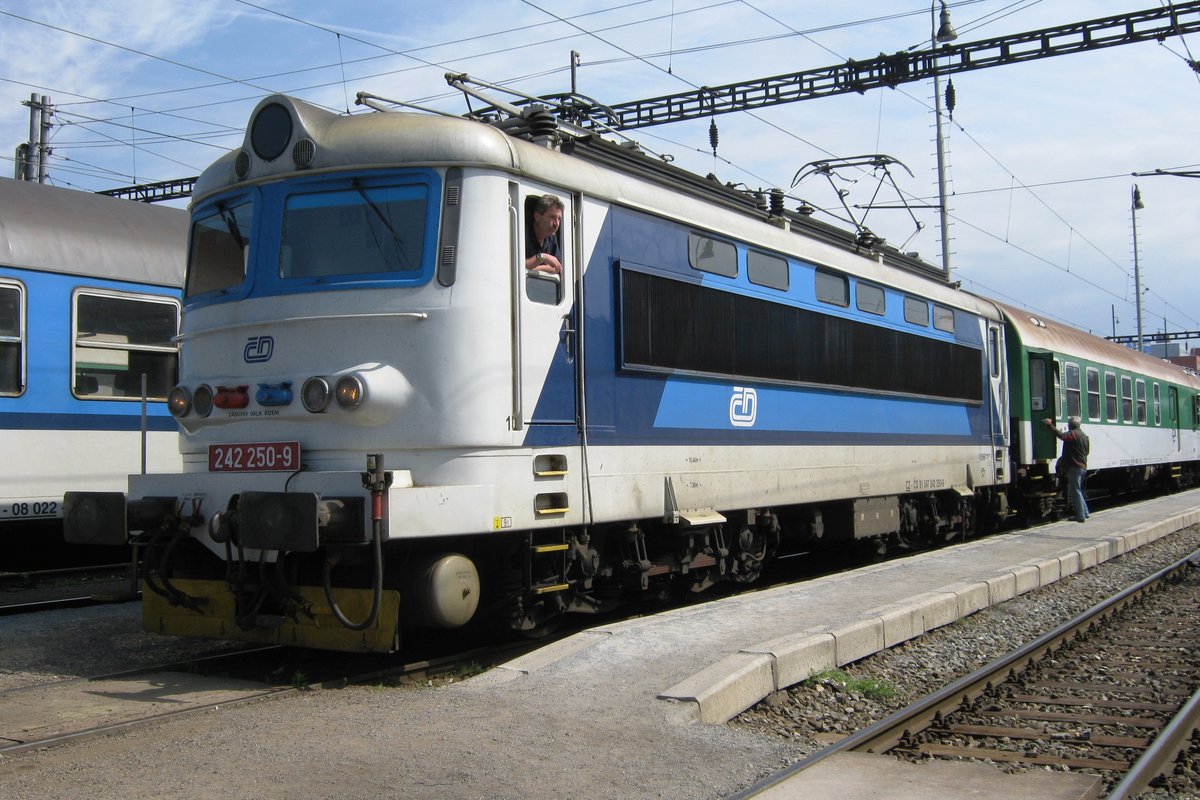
(1140, 412)
(89, 303)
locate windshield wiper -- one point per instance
(232, 224)
(387, 223)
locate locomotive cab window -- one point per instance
(712, 255)
(12, 339)
(219, 248)
(545, 256)
(376, 231)
(119, 338)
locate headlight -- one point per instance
(203, 399)
(349, 391)
(315, 394)
(179, 402)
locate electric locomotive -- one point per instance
(89, 308)
(388, 422)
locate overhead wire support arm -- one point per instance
(889, 71)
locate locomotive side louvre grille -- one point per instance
(447, 268)
(673, 325)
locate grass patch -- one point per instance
(867, 687)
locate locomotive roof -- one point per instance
(1039, 333)
(315, 140)
(51, 229)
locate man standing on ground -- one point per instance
(1075, 452)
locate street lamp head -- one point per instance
(1138, 205)
(945, 31)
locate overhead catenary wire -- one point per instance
(582, 25)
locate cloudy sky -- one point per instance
(1040, 155)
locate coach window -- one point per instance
(1093, 394)
(119, 338)
(1071, 389)
(1140, 389)
(916, 311)
(1157, 406)
(943, 319)
(870, 298)
(832, 288)
(1126, 398)
(765, 270)
(1037, 384)
(712, 255)
(1110, 397)
(12, 338)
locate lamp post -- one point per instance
(1137, 273)
(941, 33)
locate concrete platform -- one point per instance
(861, 776)
(707, 664)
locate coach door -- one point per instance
(545, 337)
(1043, 404)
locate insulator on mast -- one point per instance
(950, 97)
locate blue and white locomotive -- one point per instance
(89, 303)
(388, 421)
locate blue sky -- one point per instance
(1040, 154)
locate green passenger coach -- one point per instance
(1139, 411)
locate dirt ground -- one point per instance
(501, 735)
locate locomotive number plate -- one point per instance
(254, 457)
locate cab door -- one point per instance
(1173, 415)
(544, 326)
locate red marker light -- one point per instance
(228, 397)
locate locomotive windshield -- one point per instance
(220, 247)
(314, 234)
(355, 231)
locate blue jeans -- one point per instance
(1075, 493)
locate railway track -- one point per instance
(51, 714)
(1111, 692)
(27, 592)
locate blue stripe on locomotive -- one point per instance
(47, 403)
(642, 407)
